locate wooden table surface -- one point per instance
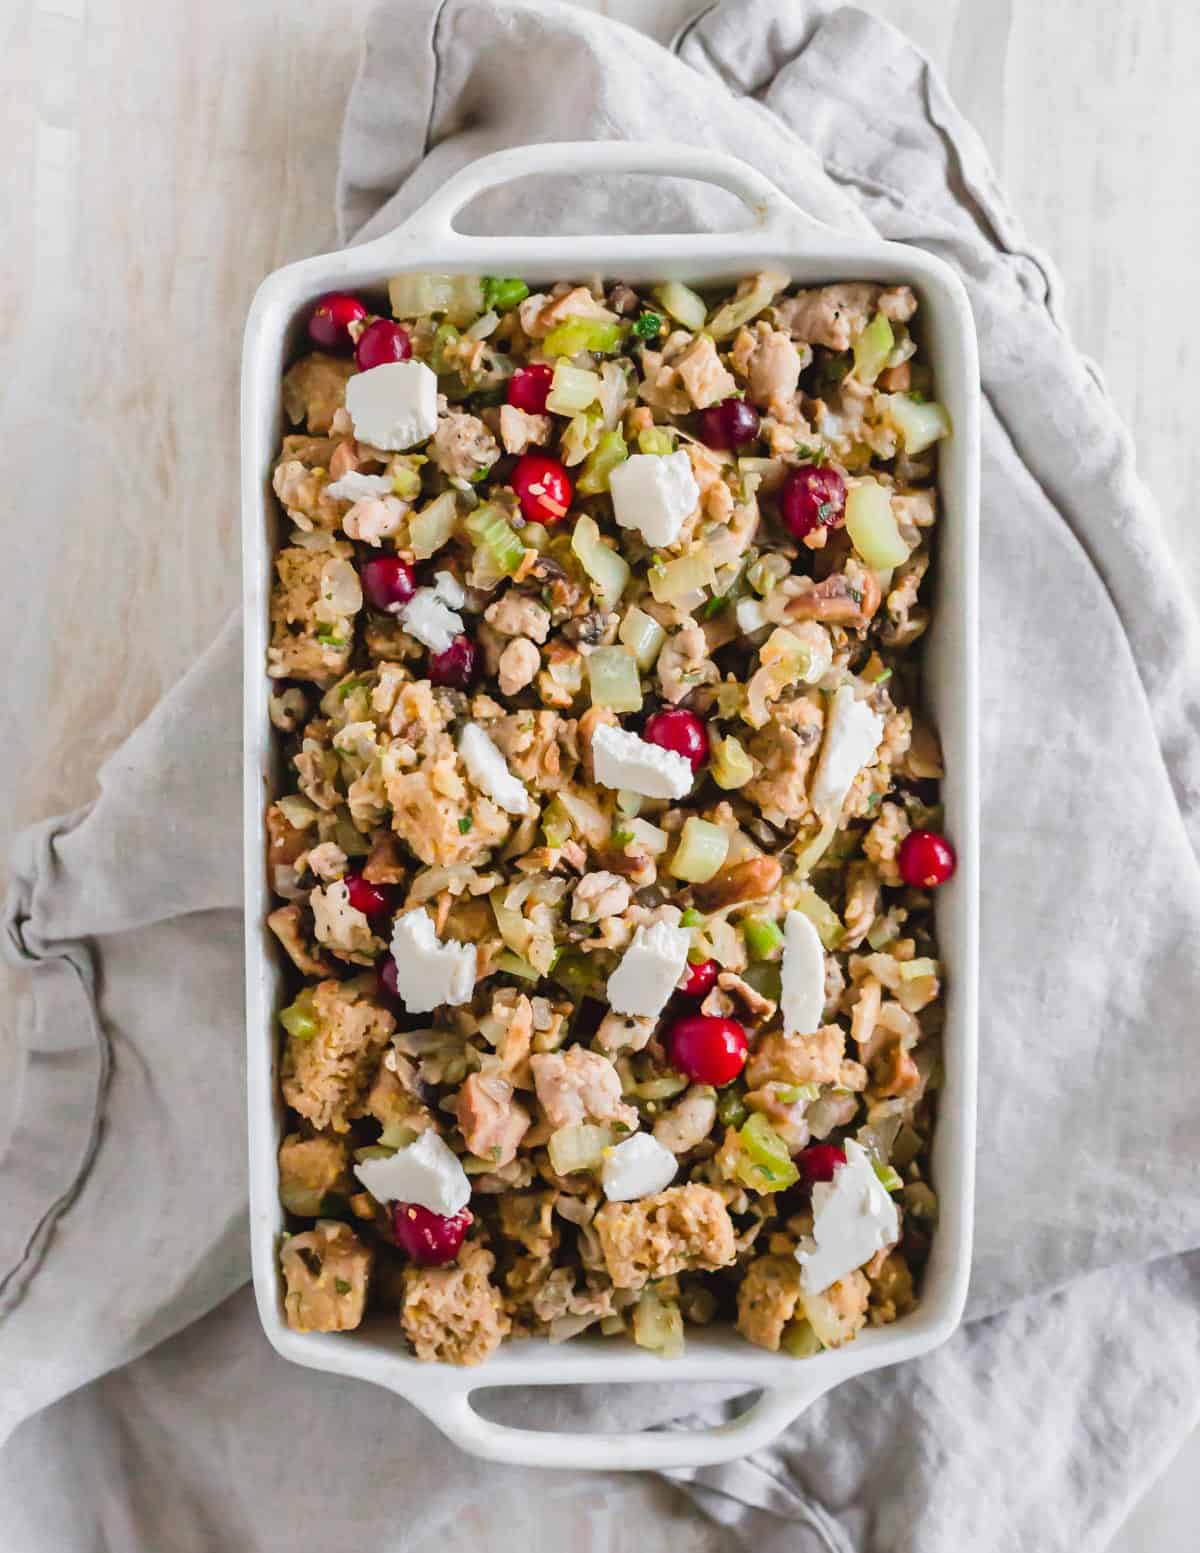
(162, 157)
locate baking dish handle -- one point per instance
(774, 214)
(657, 1450)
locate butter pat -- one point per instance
(622, 760)
(852, 736)
(802, 975)
(639, 1167)
(393, 406)
(427, 1173)
(654, 493)
(649, 969)
(853, 1218)
(428, 972)
(489, 771)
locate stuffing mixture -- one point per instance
(612, 822)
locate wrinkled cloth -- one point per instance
(141, 1405)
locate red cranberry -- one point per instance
(387, 581)
(925, 859)
(543, 488)
(709, 1050)
(382, 342)
(729, 425)
(529, 388)
(373, 900)
(428, 1238)
(457, 666)
(681, 731)
(702, 978)
(812, 496)
(329, 325)
(387, 978)
(819, 1161)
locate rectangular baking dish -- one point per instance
(782, 236)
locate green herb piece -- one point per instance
(622, 838)
(480, 475)
(501, 293)
(882, 678)
(356, 682)
(341, 1286)
(328, 635)
(691, 918)
(464, 825)
(889, 1178)
(648, 326)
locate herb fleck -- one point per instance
(464, 825)
(341, 1286)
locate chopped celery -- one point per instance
(872, 349)
(920, 424)
(600, 463)
(459, 297)
(445, 336)
(503, 292)
(872, 526)
(701, 851)
(643, 635)
(431, 528)
(764, 1163)
(752, 296)
(576, 972)
(583, 334)
(515, 965)
(674, 580)
(731, 1106)
(397, 1136)
(656, 439)
(889, 1178)
(648, 837)
(556, 824)
(822, 916)
(299, 1018)
(647, 326)
(607, 569)
(613, 679)
(662, 1086)
(582, 436)
(578, 1146)
(763, 937)
(731, 767)
(488, 526)
(572, 389)
(793, 1094)
(799, 1340)
(515, 929)
(658, 1325)
(682, 303)
(406, 477)
(692, 918)
(765, 978)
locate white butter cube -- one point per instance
(393, 406)
(639, 1167)
(853, 1218)
(622, 760)
(802, 976)
(427, 1173)
(649, 969)
(654, 493)
(428, 972)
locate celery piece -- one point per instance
(445, 336)
(582, 334)
(731, 767)
(575, 972)
(872, 349)
(682, 303)
(299, 1018)
(647, 326)
(656, 439)
(764, 1163)
(799, 1340)
(822, 916)
(572, 389)
(515, 965)
(397, 1136)
(600, 463)
(658, 1325)
(889, 1178)
(431, 528)
(764, 977)
(872, 525)
(793, 1094)
(613, 679)
(406, 477)
(731, 1106)
(488, 526)
(607, 569)
(919, 423)
(578, 1146)
(918, 970)
(675, 579)
(643, 635)
(752, 296)
(763, 937)
(502, 293)
(701, 851)
(556, 824)
(459, 297)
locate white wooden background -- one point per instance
(161, 156)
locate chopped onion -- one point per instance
(484, 326)
(643, 635)
(920, 423)
(701, 851)
(579, 1146)
(751, 297)
(872, 525)
(341, 590)
(648, 838)
(587, 817)
(297, 811)
(657, 1324)
(600, 463)
(573, 389)
(671, 582)
(515, 929)
(608, 570)
(629, 803)
(459, 297)
(683, 304)
(614, 680)
(431, 528)
(731, 767)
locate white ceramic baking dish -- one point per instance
(779, 235)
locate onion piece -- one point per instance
(701, 851)
(613, 679)
(609, 571)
